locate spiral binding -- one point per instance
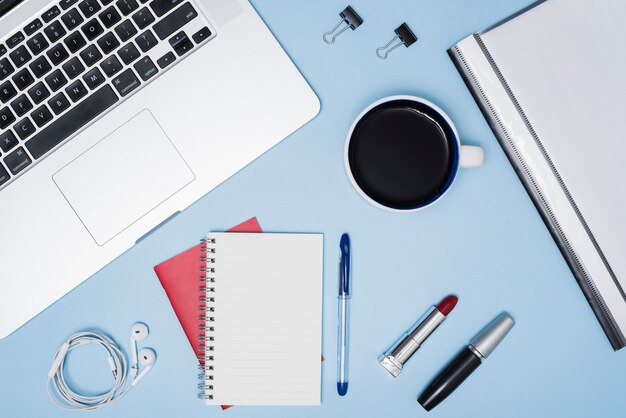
(206, 310)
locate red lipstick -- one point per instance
(394, 359)
(447, 304)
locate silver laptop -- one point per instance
(116, 115)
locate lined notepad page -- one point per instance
(267, 319)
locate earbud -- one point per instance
(147, 357)
(138, 332)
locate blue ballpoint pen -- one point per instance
(342, 326)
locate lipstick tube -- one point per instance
(394, 359)
(468, 360)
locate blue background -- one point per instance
(484, 242)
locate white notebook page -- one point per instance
(267, 319)
(565, 62)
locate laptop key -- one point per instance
(72, 19)
(175, 20)
(125, 30)
(57, 54)
(126, 82)
(89, 7)
(111, 65)
(143, 18)
(76, 90)
(6, 69)
(40, 66)
(74, 42)
(6, 117)
(128, 53)
(17, 160)
(126, 6)
(73, 68)
(59, 103)
(41, 115)
(92, 29)
(90, 55)
(7, 91)
(4, 175)
(55, 31)
(21, 105)
(24, 128)
(23, 79)
(56, 80)
(166, 59)
(33, 27)
(146, 68)
(15, 39)
(160, 7)
(71, 121)
(66, 4)
(20, 56)
(38, 93)
(146, 41)
(110, 17)
(7, 141)
(50, 14)
(201, 35)
(181, 43)
(93, 78)
(108, 42)
(37, 44)
(3, 50)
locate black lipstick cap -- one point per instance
(455, 373)
(450, 378)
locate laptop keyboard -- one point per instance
(77, 60)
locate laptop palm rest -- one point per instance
(123, 177)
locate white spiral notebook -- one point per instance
(262, 317)
(551, 81)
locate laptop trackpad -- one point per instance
(123, 177)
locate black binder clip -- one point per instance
(349, 18)
(406, 37)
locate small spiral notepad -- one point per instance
(262, 319)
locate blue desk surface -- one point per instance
(484, 242)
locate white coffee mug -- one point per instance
(403, 153)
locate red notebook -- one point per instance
(179, 277)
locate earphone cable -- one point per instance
(66, 397)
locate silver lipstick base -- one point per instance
(392, 365)
(394, 359)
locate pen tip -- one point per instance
(342, 388)
(447, 304)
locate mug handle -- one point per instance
(471, 156)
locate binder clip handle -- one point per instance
(349, 19)
(404, 36)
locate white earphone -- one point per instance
(147, 357)
(138, 332)
(125, 378)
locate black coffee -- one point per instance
(403, 154)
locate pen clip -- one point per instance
(344, 266)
